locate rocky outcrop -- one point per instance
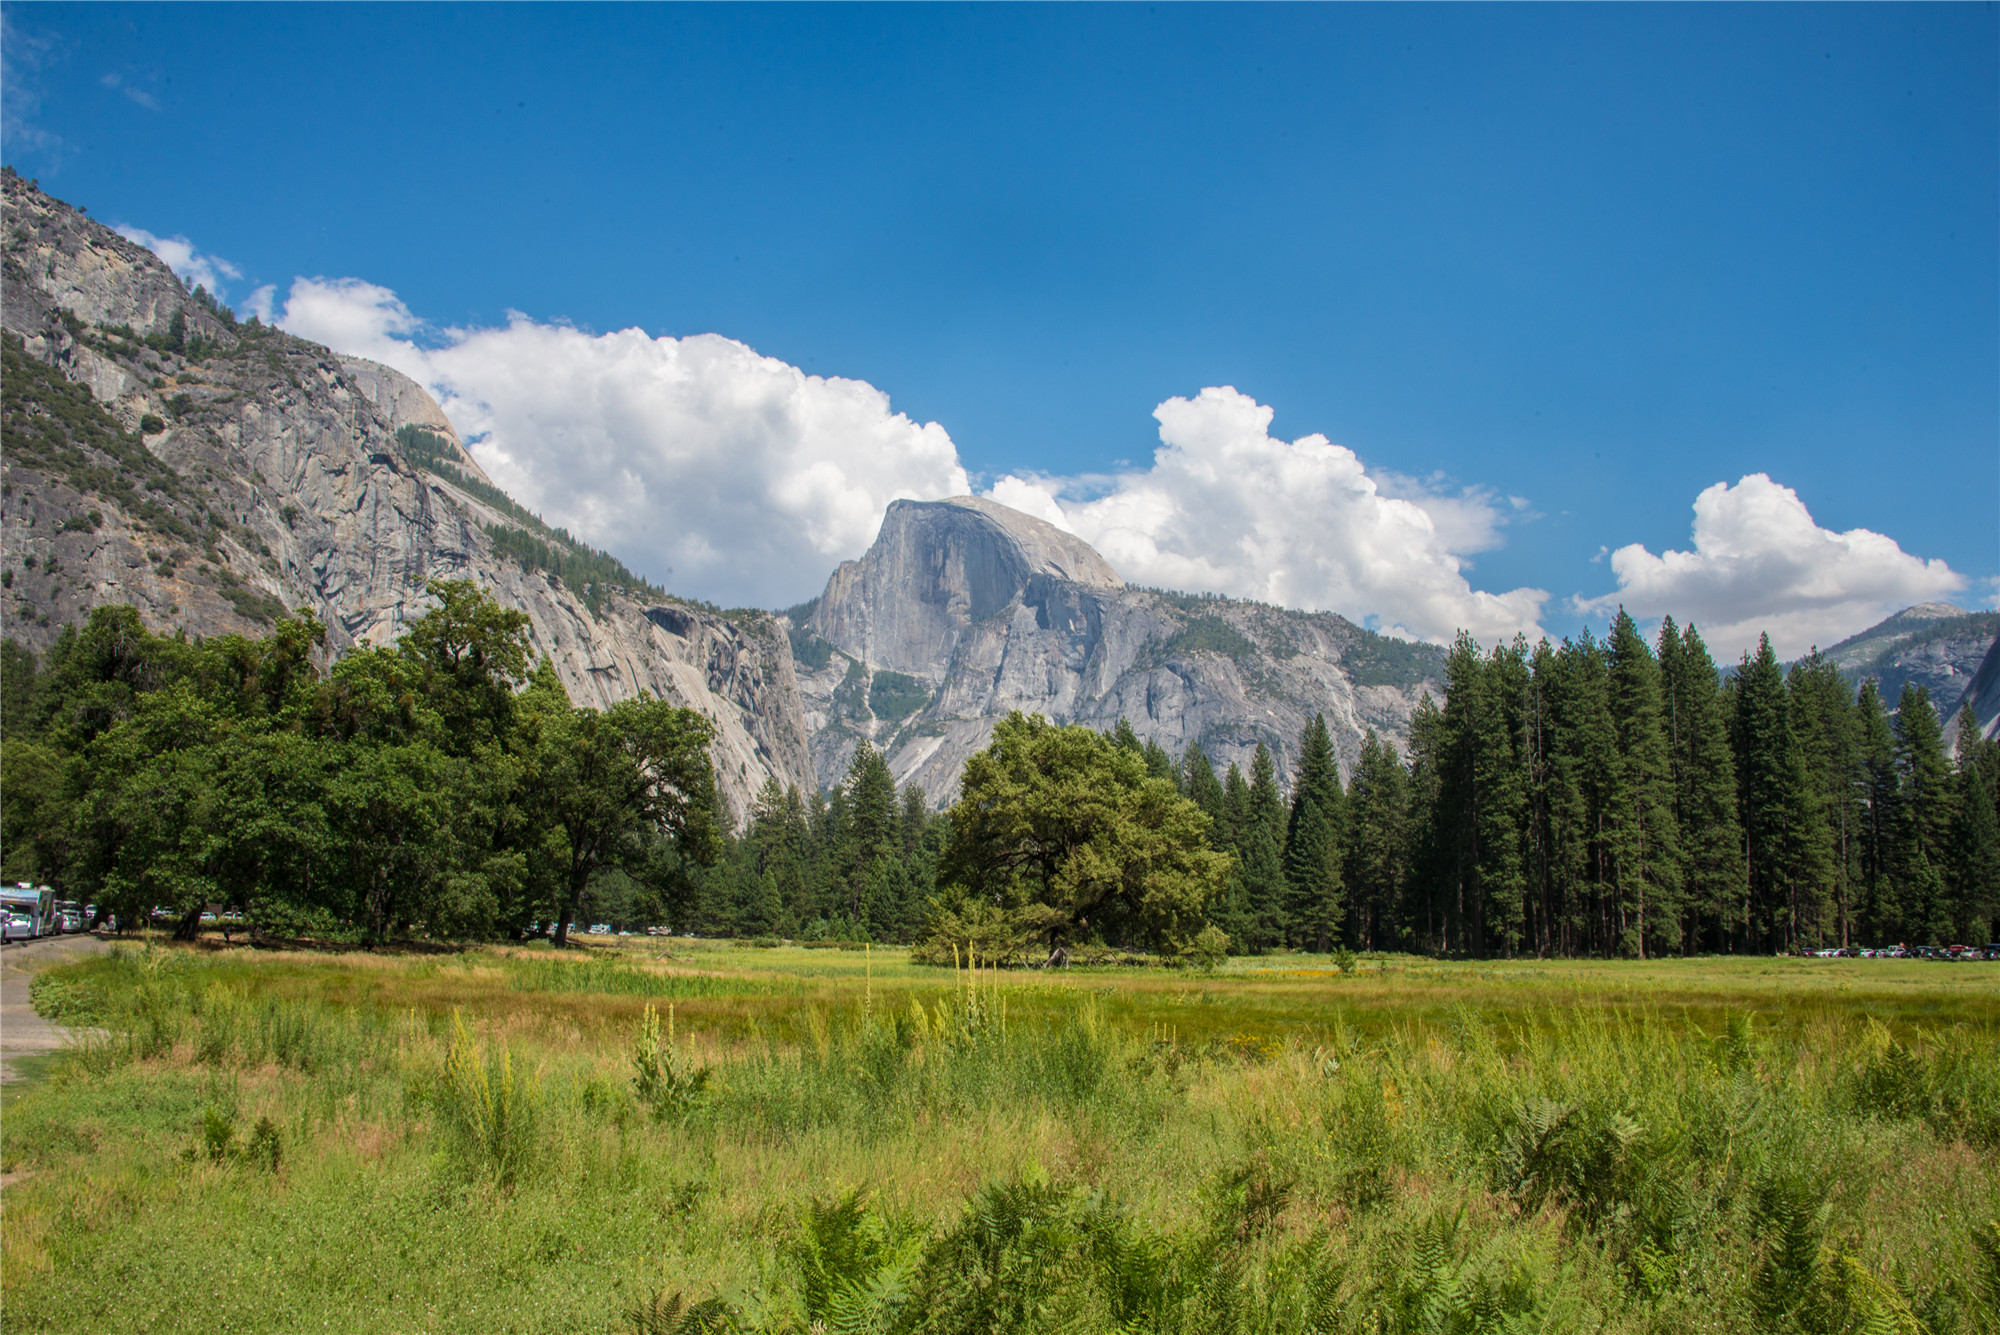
(964, 610)
(938, 567)
(403, 402)
(1983, 694)
(270, 479)
(1934, 645)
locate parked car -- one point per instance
(17, 927)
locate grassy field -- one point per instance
(677, 1135)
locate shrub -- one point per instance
(666, 1080)
(486, 1116)
(1210, 948)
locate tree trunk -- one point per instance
(189, 927)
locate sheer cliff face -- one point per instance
(990, 610)
(1944, 649)
(938, 567)
(270, 479)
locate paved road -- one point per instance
(21, 1030)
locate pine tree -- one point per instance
(1643, 838)
(1831, 742)
(1378, 842)
(1975, 879)
(1261, 854)
(1704, 770)
(1198, 782)
(1458, 794)
(873, 835)
(1235, 811)
(1539, 755)
(1313, 857)
(1788, 877)
(916, 816)
(1426, 859)
(1159, 764)
(1502, 774)
(1881, 909)
(779, 859)
(830, 859)
(1126, 738)
(1583, 756)
(1924, 816)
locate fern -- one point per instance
(662, 1315)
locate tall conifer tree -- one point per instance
(1705, 797)
(1788, 877)
(1262, 853)
(1924, 817)
(1881, 909)
(1378, 842)
(1643, 836)
(1198, 782)
(1830, 738)
(1976, 837)
(1428, 856)
(1313, 859)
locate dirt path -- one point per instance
(22, 1032)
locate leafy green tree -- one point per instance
(605, 777)
(1062, 831)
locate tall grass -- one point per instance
(242, 1144)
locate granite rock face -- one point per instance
(1934, 645)
(967, 610)
(1983, 694)
(403, 402)
(285, 488)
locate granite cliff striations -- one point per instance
(218, 474)
(968, 610)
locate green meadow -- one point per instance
(654, 1135)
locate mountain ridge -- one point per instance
(216, 474)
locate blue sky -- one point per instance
(1549, 272)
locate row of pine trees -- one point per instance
(1597, 797)
(856, 864)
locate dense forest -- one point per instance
(1595, 797)
(441, 787)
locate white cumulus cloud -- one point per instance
(1761, 564)
(740, 478)
(1227, 508)
(179, 254)
(701, 464)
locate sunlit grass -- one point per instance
(462, 1143)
